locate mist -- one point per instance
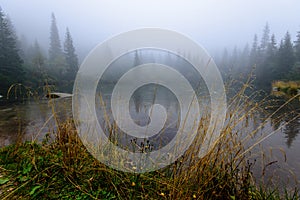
(95, 104)
(213, 24)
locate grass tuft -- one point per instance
(62, 168)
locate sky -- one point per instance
(215, 24)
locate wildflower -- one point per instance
(162, 194)
(133, 183)
(194, 196)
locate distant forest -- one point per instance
(30, 65)
(33, 67)
(267, 60)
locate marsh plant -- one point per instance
(60, 167)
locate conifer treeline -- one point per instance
(21, 62)
(30, 65)
(267, 59)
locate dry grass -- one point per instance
(282, 88)
(64, 169)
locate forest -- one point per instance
(46, 151)
(30, 65)
(267, 60)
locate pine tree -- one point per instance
(295, 72)
(56, 57)
(70, 56)
(55, 47)
(24, 49)
(225, 60)
(271, 48)
(244, 61)
(254, 52)
(269, 64)
(297, 47)
(35, 65)
(245, 56)
(234, 61)
(265, 38)
(286, 58)
(10, 62)
(38, 58)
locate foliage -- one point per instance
(23, 63)
(56, 57)
(297, 47)
(10, 62)
(281, 88)
(71, 61)
(270, 61)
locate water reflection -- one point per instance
(31, 120)
(278, 161)
(292, 128)
(143, 98)
(288, 120)
(140, 105)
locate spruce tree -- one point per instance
(225, 61)
(286, 58)
(256, 61)
(297, 47)
(11, 70)
(245, 54)
(55, 47)
(270, 63)
(272, 48)
(254, 52)
(70, 56)
(295, 72)
(24, 49)
(265, 38)
(56, 56)
(38, 58)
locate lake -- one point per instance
(33, 119)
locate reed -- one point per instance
(61, 168)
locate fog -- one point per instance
(214, 24)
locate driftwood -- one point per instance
(55, 95)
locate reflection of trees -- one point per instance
(292, 127)
(290, 118)
(276, 120)
(137, 100)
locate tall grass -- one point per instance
(289, 88)
(63, 169)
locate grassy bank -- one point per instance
(286, 88)
(61, 168)
(32, 171)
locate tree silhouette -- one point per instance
(11, 70)
(56, 57)
(70, 56)
(297, 47)
(71, 62)
(254, 51)
(265, 38)
(286, 58)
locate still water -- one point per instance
(31, 120)
(279, 150)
